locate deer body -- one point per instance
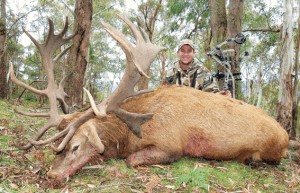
(185, 122)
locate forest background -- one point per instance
(98, 63)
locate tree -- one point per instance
(295, 86)
(235, 14)
(218, 22)
(284, 102)
(3, 84)
(77, 59)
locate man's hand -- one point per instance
(226, 93)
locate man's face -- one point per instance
(186, 55)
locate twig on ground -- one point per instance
(112, 185)
(216, 189)
(66, 188)
(9, 150)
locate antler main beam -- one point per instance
(53, 91)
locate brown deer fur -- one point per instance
(186, 122)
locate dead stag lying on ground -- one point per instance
(152, 128)
(185, 122)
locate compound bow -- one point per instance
(225, 60)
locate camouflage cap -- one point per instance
(186, 42)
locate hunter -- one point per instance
(188, 71)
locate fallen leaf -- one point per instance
(14, 186)
(155, 180)
(5, 122)
(232, 183)
(245, 190)
(159, 166)
(35, 171)
(199, 165)
(222, 168)
(90, 185)
(137, 191)
(170, 187)
(15, 171)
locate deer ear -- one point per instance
(94, 139)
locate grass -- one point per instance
(25, 171)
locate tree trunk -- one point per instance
(284, 102)
(218, 24)
(207, 48)
(295, 88)
(250, 92)
(77, 59)
(3, 84)
(234, 27)
(259, 84)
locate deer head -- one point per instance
(138, 60)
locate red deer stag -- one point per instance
(174, 121)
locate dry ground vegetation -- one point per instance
(25, 171)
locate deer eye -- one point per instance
(75, 148)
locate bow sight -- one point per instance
(224, 58)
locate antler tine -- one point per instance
(32, 114)
(62, 53)
(94, 106)
(61, 94)
(116, 33)
(127, 51)
(19, 83)
(61, 84)
(62, 33)
(38, 45)
(139, 38)
(56, 41)
(41, 132)
(50, 33)
(49, 140)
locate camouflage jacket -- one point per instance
(196, 76)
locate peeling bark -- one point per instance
(77, 59)
(3, 84)
(284, 103)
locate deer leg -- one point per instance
(151, 155)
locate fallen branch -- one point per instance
(9, 150)
(112, 185)
(93, 167)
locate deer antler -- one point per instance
(53, 92)
(138, 60)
